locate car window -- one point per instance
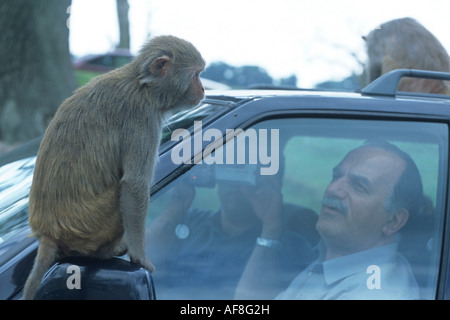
(365, 240)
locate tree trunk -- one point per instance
(36, 72)
(124, 24)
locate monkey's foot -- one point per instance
(144, 262)
(121, 249)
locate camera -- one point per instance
(208, 176)
(241, 174)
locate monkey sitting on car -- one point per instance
(91, 184)
(406, 44)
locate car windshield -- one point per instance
(207, 111)
(15, 183)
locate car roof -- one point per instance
(381, 91)
(403, 102)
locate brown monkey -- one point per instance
(406, 44)
(90, 190)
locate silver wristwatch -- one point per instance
(268, 243)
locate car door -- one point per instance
(204, 227)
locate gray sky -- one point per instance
(312, 39)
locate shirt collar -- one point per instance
(342, 267)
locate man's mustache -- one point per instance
(335, 203)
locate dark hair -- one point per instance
(408, 192)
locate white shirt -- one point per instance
(377, 273)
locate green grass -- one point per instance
(82, 77)
(309, 163)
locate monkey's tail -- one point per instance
(46, 256)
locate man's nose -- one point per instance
(338, 188)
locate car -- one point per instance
(276, 150)
(101, 63)
(92, 65)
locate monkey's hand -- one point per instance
(136, 250)
(121, 249)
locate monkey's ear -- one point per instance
(160, 66)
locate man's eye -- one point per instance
(359, 187)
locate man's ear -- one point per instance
(160, 66)
(396, 222)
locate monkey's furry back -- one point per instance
(78, 167)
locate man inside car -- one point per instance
(197, 251)
(375, 189)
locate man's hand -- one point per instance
(267, 201)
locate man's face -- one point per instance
(233, 202)
(236, 205)
(353, 216)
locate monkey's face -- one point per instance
(171, 68)
(186, 87)
(196, 91)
